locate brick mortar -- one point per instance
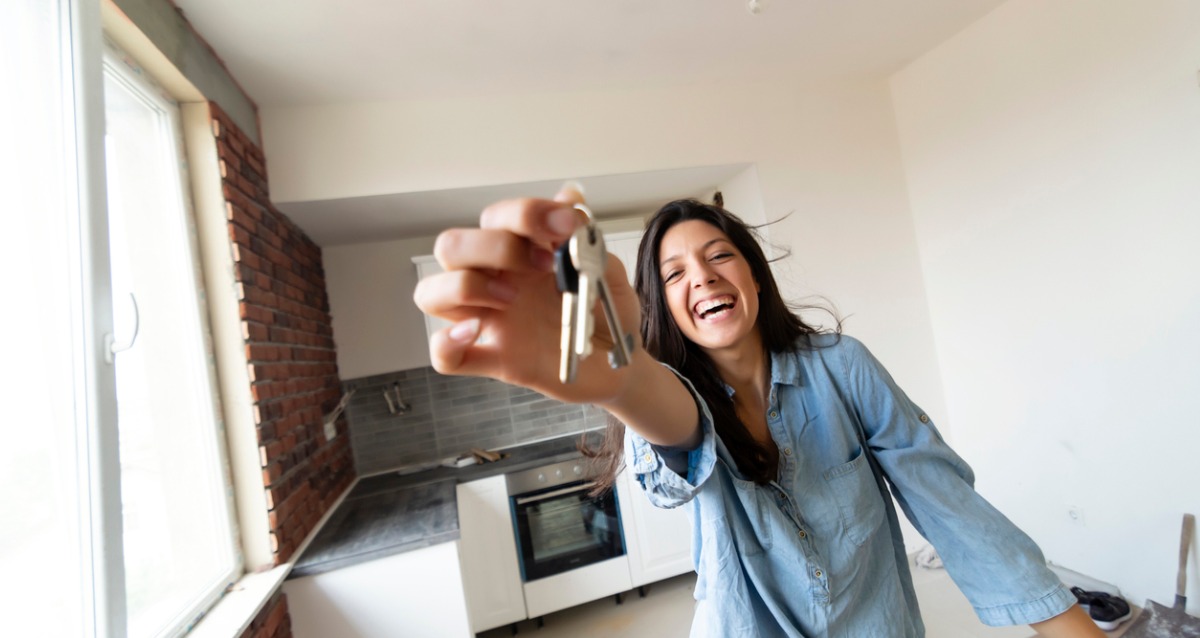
(291, 355)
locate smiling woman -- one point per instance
(786, 443)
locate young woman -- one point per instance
(767, 427)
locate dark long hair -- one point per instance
(781, 329)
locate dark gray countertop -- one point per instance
(387, 514)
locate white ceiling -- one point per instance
(299, 52)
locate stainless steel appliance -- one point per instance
(570, 545)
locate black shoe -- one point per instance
(1106, 610)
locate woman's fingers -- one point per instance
(458, 294)
(491, 249)
(544, 222)
(452, 350)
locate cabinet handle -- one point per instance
(566, 490)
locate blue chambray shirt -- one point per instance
(819, 551)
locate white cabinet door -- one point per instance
(488, 552)
(658, 541)
(625, 246)
(416, 594)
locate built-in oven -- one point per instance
(559, 525)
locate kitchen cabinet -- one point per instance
(488, 552)
(658, 541)
(417, 594)
(625, 246)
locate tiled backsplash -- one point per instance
(448, 416)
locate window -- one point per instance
(92, 542)
(180, 549)
(58, 580)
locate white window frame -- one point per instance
(121, 67)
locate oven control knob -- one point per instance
(578, 470)
(541, 478)
(557, 473)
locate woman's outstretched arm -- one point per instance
(498, 289)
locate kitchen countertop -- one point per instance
(396, 512)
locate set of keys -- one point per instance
(579, 269)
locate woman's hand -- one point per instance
(499, 289)
(1072, 623)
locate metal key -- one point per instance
(567, 279)
(581, 264)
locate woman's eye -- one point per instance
(720, 256)
(669, 277)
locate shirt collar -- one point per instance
(785, 370)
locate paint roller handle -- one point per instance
(1185, 542)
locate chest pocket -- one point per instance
(859, 500)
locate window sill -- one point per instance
(238, 607)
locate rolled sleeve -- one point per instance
(652, 464)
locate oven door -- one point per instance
(562, 528)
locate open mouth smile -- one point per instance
(715, 307)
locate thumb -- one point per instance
(570, 192)
(450, 349)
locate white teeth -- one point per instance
(707, 305)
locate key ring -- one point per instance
(586, 211)
(591, 220)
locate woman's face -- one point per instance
(708, 285)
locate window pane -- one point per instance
(179, 549)
(45, 589)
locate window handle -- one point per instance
(111, 347)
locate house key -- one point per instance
(580, 276)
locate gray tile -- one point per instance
(449, 415)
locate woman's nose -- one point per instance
(703, 275)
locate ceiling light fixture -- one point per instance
(756, 6)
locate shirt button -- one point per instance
(787, 451)
(818, 573)
(803, 534)
(774, 414)
(924, 418)
(649, 457)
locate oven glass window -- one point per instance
(559, 532)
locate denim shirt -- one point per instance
(818, 552)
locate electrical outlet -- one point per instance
(330, 429)
(1076, 514)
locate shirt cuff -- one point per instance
(1056, 601)
(664, 486)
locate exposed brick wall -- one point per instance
(292, 362)
(272, 621)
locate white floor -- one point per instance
(666, 612)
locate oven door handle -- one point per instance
(566, 490)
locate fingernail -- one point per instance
(501, 290)
(572, 185)
(541, 258)
(563, 221)
(465, 331)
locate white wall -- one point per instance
(1052, 153)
